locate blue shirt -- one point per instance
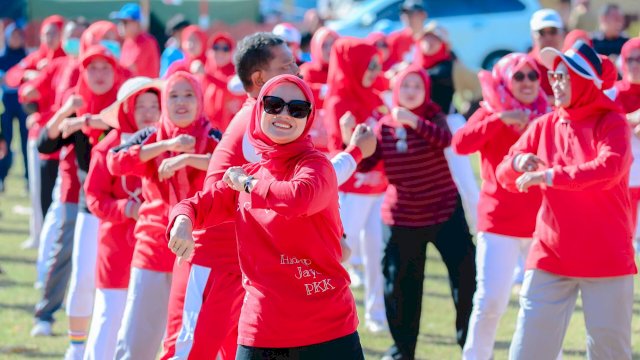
(169, 56)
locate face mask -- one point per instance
(71, 46)
(112, 46)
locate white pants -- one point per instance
(363, 225)
(496, 259)
(547, 302)
(82, 287)
(33, 161)
(198, 277)
(49, 232)
(145, 315)
(108, 310)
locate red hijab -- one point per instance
(316, 71)
(126, 113)
(350, 58)
(428, 109)
(96, 33)
(179, 184)
(573, 36)
(225, 71)
(202, 36)
(496, 87)
(629, 93)
(428, 61)
(587, 100)
(281, 157)
(44, 50)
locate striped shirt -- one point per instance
(421, 191)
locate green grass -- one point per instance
(437, 341)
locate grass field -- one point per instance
(437, 341)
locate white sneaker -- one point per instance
(41, 328)
(74, 352)
(29, 243)
(357, 277)
(376, 327)
(38, 285)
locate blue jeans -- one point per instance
(13, 110)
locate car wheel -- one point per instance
(493, 58)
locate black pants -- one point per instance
(49, 173)
(403, 265)
(346, 347)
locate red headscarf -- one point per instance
(316, 71)
(46, 52)
(202, 36)
(428, 109)
(126, 112)
(95, 33)
(220, 104)
(496, 86)
(587, 100)
(428, 61)
(280, 157)
(573, 36)
(179, 184)
(629, 93)
(350, 58)
(224, 71)
(93, 103)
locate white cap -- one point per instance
(545, 18)
(288, 33)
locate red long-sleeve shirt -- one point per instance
(297, 291)
(583, 227)
(141, 56)
(107, 199)
(499, 211)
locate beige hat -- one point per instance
(434, 28)
(129, 88)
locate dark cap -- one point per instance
(176, 23)
(412, 5)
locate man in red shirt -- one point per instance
(140, 52)
(400, 42)
(547, 30)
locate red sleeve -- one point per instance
(98, 189)
(15, 75)
(127, 162)
(305, 194)
(528, 143)
(476, 133)
(149, 62)
(198, 207)
(433, 134)
(228, 152)
(333, 110)
(613, 160)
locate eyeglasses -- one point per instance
(374, 65)
(557, 76)
(531, 75)
(632, 60)
(401, 143)
(223, 48)
(548, 31)
(298, 109)
(381, 45)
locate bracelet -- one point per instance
(247, 184)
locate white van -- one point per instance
(480, 31)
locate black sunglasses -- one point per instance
(298, 109)
(632, 60)
(550, 31)
(224, 48)
(557, 76)
(381, 45)
(531, 75)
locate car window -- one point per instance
(449, 8)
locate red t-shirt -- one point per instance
(499, 211)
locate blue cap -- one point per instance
(130, 11)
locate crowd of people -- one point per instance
(220, 199)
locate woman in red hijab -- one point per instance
(351, 100)
(291, 192)
(512, 99)
(421, 205)
(171, 159)
(579, 155)
(115, 200)
(50, 48)
(628, 97)
(316, 71)
(220, 104)
(99, 80)
(193, 43)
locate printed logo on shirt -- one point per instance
(371, 178)
(304, 272)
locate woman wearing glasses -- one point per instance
(354, 67)
(579, 155)
(512, 99)
(298, 304)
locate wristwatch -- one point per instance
(247, 184)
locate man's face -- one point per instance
(613, 22)
(282, 63)
(549, 37)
